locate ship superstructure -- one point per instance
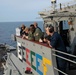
(63, 18)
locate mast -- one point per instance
(53, 2)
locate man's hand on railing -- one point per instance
(49, 43)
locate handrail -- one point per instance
(40, 43)
(14, 65)
(67, 4)
(64, 58)
(64, 53)
(63, 5)
(60, 71)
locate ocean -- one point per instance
(9, 28)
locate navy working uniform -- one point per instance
(57, 43)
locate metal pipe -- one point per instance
(64, 58)
(60, 6)
(64, 53)
(60, 71)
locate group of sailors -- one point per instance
(52, 38)
(31, 33)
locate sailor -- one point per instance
(57, 43)
(22, 29)
(26, 32)
(54, 24)
(31, 32)
(38, 32)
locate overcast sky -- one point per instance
(23, 10)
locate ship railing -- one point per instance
(63, 5)
(67, 4)
(68, 60)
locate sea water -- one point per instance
(9, 28)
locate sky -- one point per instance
(23, 10)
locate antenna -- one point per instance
(53, 4)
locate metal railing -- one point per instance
(64, 58)
(67, 4)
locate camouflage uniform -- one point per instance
(38, 34)
(30, 36)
